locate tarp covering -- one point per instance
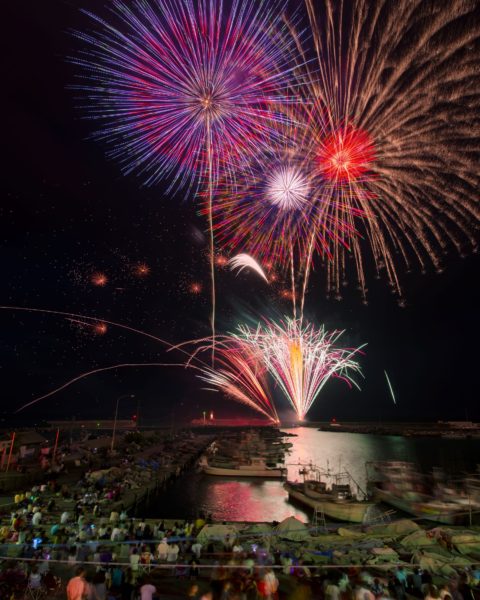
(438, 564)
(349, 533)
(292, 529)
(258, 529)
(467, 542)
(386, 553)
(217, 532)
(395, 529)
(418, 539)
(402, 527)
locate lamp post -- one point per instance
(112, 446)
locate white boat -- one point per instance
(340, 507)
(255, 467)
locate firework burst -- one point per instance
(186, 89)
(99, 279)
(394, 128)
(181, 88)
(301, 359)
(266, 211)
(141, 270)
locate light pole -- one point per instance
(112, 446)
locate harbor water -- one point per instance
(230, 499)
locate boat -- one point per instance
(250, 453)
(336, 503)
(254, 467)
(400, 485)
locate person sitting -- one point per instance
(35, 579)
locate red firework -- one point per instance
(196, 288)
(99, 279)
(346, 155)
(221, 260)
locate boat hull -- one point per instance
(239, 472)
(349, 511)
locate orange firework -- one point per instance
(141, 270)
(100, 328)
(99, 279)
(221, 260)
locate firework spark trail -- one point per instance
(301, 359)
(240, 374)
(398, 144)
(92, 321)
(94, 372)
(74, 316)
(390, 387)
(239, 371)
(245, 261)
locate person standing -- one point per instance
(162, 550)
(134, 563)
(172, 553)
(77, 586)
(197, 549)
(332, 591)
(271, 584)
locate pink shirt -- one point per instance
(147, 591)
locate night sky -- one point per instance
(67, 212)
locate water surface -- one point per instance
(228, 499)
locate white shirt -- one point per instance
(172, 553)
(332, 592)
(197, 548)
(64, 518)
(37, 517)
(134, 560)
(162, 550)
(147, 591)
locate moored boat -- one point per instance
(254, 467)
(335, 506)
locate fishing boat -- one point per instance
(254, 467)
(400, 485)
(336, 501)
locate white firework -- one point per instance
(288, 188)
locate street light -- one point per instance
(115, 419)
